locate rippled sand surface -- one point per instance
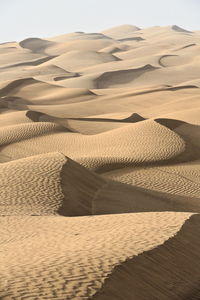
(100, 166)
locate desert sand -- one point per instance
(100, 165)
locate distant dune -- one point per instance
(100, 165)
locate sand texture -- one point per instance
(100, 166)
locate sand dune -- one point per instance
(179, 29)
(77, 59)
(35, 45)
(58, 271)
(55, 179)
(159, 280)
(78, 36)
(119, 78)
(100, 165)
(121, 31)
(120, 146)
(57, 185)
(36, 91)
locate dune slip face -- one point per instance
(100, 165)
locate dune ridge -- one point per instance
(56, 270)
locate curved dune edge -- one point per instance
(177, 183)
(31, 186)
(79, 187)
(76, 59)
(123, 145)
(8, 87)
(36, 62)
(19, 132)
(14, 117)
(121, 31)
(70, 258)
(179, 29)
(36, 45)
(35, 91)
(121, 77)
(131, 118)
(160, 61)
(87, 126)
(169, 271)
(48, 184)
(52, 184)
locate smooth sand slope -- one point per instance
(100, 165)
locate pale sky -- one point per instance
(20, 19)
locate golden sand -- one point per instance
(100, 166)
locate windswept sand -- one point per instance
(100, 166)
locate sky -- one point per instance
(20, 19)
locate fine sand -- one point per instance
(100, 166)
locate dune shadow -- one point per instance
(169, 271)
(108, 79)
(137, 39)
(30, 63)
(133, 118)
(88, 193)
(170, 123)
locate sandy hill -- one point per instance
(100, 165)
